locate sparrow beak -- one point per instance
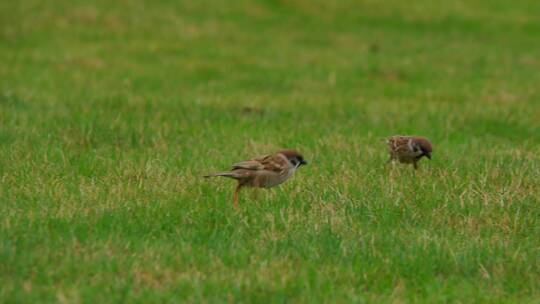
(428, 155)
(303, 162)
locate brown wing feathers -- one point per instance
(273, 163)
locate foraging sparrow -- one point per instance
(263, 172)
(408, 149)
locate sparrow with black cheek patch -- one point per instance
(409, 149)
(263, 172)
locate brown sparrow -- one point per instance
(263, 172)
(408, 149)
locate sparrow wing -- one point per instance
(399, 143)
(271, 162)
(252, 164)
(275, 163)
(248, 165)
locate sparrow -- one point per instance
(263, 172)
(409, 149)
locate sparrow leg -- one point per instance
(235, 196)
(415, 165)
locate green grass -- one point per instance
(110, 112)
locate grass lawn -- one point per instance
(111, 111)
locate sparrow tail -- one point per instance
(226, 174)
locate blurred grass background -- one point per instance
(110, 112)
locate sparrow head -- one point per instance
(424, 145)
(295, 158)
